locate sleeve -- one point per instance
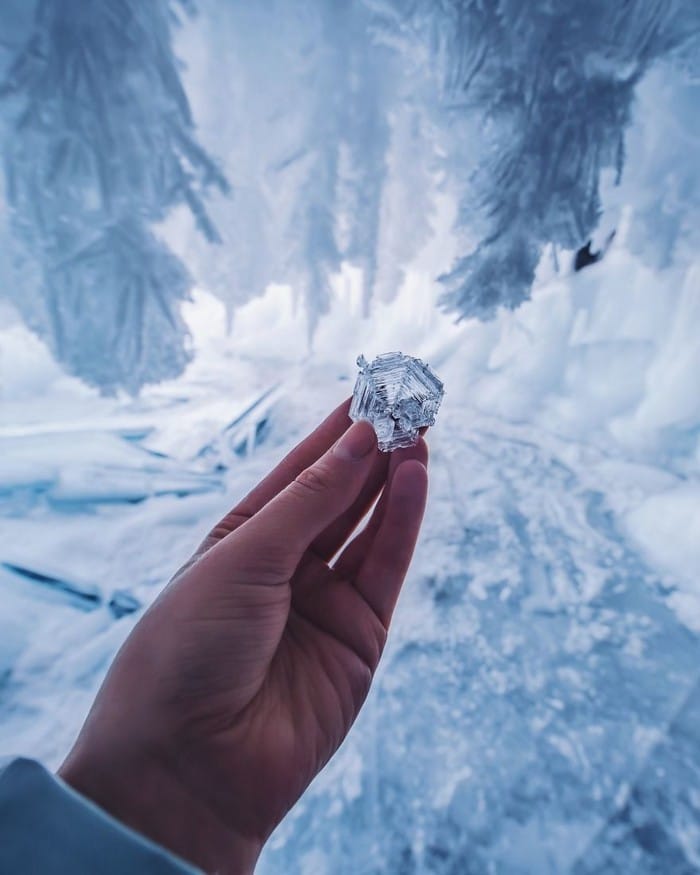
(46, 828)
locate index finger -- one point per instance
(301, 457)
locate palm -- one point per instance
(280, 732)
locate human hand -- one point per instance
(245, 675)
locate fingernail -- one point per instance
(356, 443)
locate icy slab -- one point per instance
(399, 395)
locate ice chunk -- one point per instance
(399, 395)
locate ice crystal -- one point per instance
(399, 395)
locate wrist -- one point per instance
(146, 796)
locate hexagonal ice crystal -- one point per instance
(399, 395)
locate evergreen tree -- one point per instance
(102, 147)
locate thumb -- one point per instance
(269, 546)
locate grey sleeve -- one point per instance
(46, 828)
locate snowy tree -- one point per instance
(336, 123)
(304, 140)
(100, 148)
(543, 90)
(365, 125)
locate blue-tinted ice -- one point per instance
(399, 395)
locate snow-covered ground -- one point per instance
(537, 709)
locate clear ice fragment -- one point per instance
(399, 395)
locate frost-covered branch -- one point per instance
(101, 147)
(537, 97)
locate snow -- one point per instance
(666, 525)
(554, 583)
(538, 706)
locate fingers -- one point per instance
(300, 458)
(353, 555)
(337, 533)
(269, 546)
(381, 573)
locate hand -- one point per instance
(245, 675)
